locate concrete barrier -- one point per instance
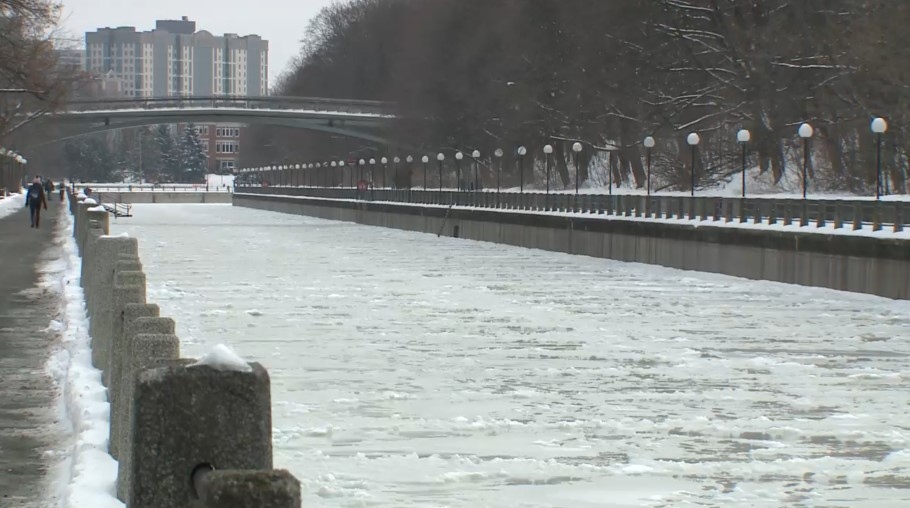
(171, 419)
(162, 197)
(862, 264)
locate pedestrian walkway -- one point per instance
(27, 407)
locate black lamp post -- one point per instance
(385, 162)
(879, 127)
(805, 132)
(743, 137)
(439, 158)
(576, 148)
(476, 155)
(458, 180)
(693, 140)
(522, 151)
(498, 154)
(649, 145)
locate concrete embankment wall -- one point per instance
(162, 197)
(844, 262)
(184, 435)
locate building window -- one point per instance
(227, 132)
(226, 147)
(226, 165)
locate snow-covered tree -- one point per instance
(193, 159)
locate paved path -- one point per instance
(27, 408)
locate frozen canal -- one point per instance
(411, 370)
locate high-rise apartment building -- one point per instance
(176, 60)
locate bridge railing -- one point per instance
(834, 213)
(253, 103)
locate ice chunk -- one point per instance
(222, 357)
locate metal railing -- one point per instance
(838, 214)
(102, 188)
(252, 103)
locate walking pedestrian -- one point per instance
(34, 199)
(62, 189)
(48, 188)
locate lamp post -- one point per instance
(439, 158)
(425, 160)
(879, 126)
(649, 144)
(385, 162)
(805, 132)
(577, 148)
(397, 161)
(372, 172)
(476, 155)
(360, 165)
(693, 140)
(743, 137)
(522, 151)
(548, 150)
(498, 154)
(458, 157)
(341, 164)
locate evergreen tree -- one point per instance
(168, 161)
(192, 155)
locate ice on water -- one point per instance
(411, 370)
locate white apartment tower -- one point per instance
(174, 59)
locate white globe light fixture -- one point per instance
(693, 139)
(459, 155)
(498, 152)
(475, 154)
(361, 162)
(334, 164)
(410, 159)
(384, 160)
(649, 142)
(372, 161)
(806, 131)
(440, 156)
(396, 160)
(879, 125)
(341, 164)
(425, 159)
(522, 151)
(576, 147)
(548, 149)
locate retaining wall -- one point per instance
(844, 262)
(179, 197)
(184, 435)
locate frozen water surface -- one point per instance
(411, 370)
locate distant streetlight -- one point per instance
(805, 131)
(577, 148)
(649, 145)
(498, 153)
(458, 158)
(372, 172)
(548, 150)
(341, 165)
(879, 127)
(693, 140)
(425, 160)
(360, 165)
(476, 156)
(522, 151)
(397, 161)
(439, 158)
(385, 162)
(743, 137)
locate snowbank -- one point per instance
(87, 475)
(10, 204)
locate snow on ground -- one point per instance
(220, 180)
(413, 370)
(85, 476)
(11, 204)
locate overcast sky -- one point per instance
(281, 22)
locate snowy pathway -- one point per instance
(411, 370)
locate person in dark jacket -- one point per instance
(48, 189)
(34, 199)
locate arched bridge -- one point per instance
(354, 118)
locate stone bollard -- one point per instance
(191, 417)
(81, 224)
(129, 287)
(92, 235)
(107, 254)
(247, 489)
(120, 364)
(147, 350)
(130, 364)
